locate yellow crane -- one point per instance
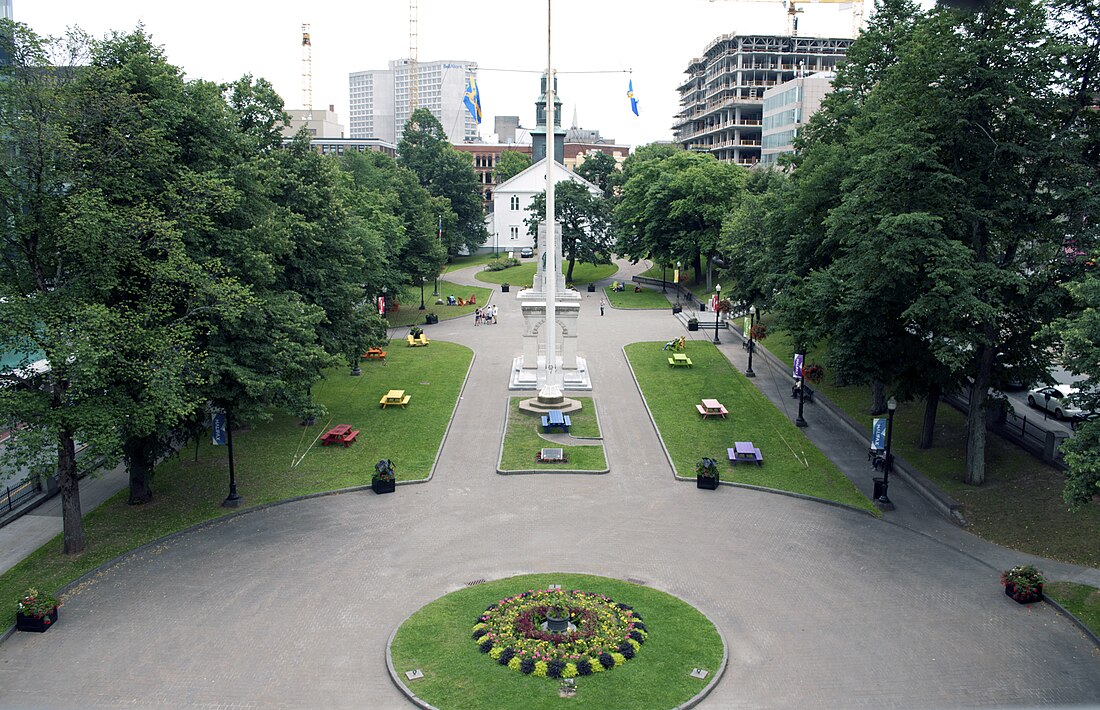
(794, 8)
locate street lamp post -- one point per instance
(233, 500)
(385, 303)
(718, 294)
(678, 267)
(800, 421)
(421, 293)
(664, 268)
(752, 346)
(883, 501)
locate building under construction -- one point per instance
(722, 99)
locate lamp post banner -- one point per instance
(714, 302)
(217, 428)
(676, 276)
(878, 434)
(748, 325)
(381, 305)
(798, 358)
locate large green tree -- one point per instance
(585, 224)
(509, 164)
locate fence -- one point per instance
(1028, 434)
(14, 496)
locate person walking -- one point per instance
(477, 317)
(494, 314)
(601, 306)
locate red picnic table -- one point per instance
(339, 434)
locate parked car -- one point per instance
(1056, 400)
(526, 252)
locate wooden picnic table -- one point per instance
(397, 397)
(680, 360)
(711, 408)
(339, 434)
(375, 354)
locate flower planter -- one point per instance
(504, 288)
(32, 623)
(1020, 598)
(379, 485)
(677, 309)
(431, 319)
(708, 482)
(592, 288)
(693, 326)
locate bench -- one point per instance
(375, 354)
(808, 397)
(387, 402)
(346, 439)
(680, 362)
(711, 413)
(757, 456)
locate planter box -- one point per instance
(677, 309)
(706, 482)
(592, 288)
(30, 623)
(504, 288)
(693, 326)
(1036, 596)
(431, 319)
(380, 486)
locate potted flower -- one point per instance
(676, 308)
(706, 474)
(430, 318)
(592, 288)
(1023, 583)
(384, 478)
(416, 331)
(759, 331)
(36, 611)
(557, 619)
(693, 323)
(504, 287)
(814, 373)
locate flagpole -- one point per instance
(550, 391)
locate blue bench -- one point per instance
(555, 418)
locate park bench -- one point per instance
(555, 418)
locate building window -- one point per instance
(514, 232)
(515, 203)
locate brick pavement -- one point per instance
(821, 607)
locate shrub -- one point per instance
(570, 670)
(486, 646)
(517, 665)
(478, 633)
(527, 666)
(540, 669)
(619, 658)
(626, 649)
(555, 667)
(506, 656)
(584, 667)
(606, 660)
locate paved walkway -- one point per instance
(822, 607)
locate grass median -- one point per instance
(791, 462)
(524, 274)
(628, 298)
(275, 460)
(522, 441)
(410, 314)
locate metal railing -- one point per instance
(1028, 434)
(14, 496)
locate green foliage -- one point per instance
(598, 168)
(36, 604)
(1080, 600)
(647, 298)
(502, 264)
(509, 164)
(585, 224)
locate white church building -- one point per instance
(513, 197)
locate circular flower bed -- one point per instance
(602, 634)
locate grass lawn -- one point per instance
(522, 441)
(524, 274)
(647, 298)
(276, 460)
(461, 262)
(791, 462)
(1080, 600)
(437, 640)
(1019, 506)
(410, 313)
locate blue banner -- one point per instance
(217, 428)
(798, 358)
(878, 434)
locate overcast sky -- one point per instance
(220, 41)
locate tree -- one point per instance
(510, 164)
(597, 169)
(585, 224)
(445, 172)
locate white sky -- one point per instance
(220, 41)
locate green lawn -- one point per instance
(410, 314)
(522, 441)
(524, 274)
(791, 462)
(276, 460)
(1019, 506)
(461, 262)
(647, 298)
(1080, 600)
(436, 639)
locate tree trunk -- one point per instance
(975, 417)
(698, 264)
(71, 518)
(878, 397)
(569, 272)
(139, 460)
(928, 427)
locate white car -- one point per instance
(1056, 400)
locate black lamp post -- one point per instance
(385, 303)
(678, 266)
(752, 346)
(883, 501)
(718, 293)
(421, 293)
(800, 421)
(664, 268)
(233, 500)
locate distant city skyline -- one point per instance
(596, 44)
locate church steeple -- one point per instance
(538, 133)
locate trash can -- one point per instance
(879, 487)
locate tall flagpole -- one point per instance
(550, 390)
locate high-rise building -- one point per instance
(787, 107)
(722, 99)
(378, 100)
(6, 14)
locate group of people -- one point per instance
(486, 315)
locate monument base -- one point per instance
(537, 407)
(527, 378)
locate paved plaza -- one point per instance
(291, 606)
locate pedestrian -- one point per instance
(477, 317)
(601, 306)
(494, 313)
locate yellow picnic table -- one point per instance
(395, 397)
(680, 360)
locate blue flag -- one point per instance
(473, 99)
(878, 434)
(633, 101)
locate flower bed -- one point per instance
(604, 634)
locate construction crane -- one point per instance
(307, 72)
(413, 70)
(793, 9)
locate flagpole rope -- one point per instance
(543, 71)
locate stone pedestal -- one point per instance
(528, 368)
